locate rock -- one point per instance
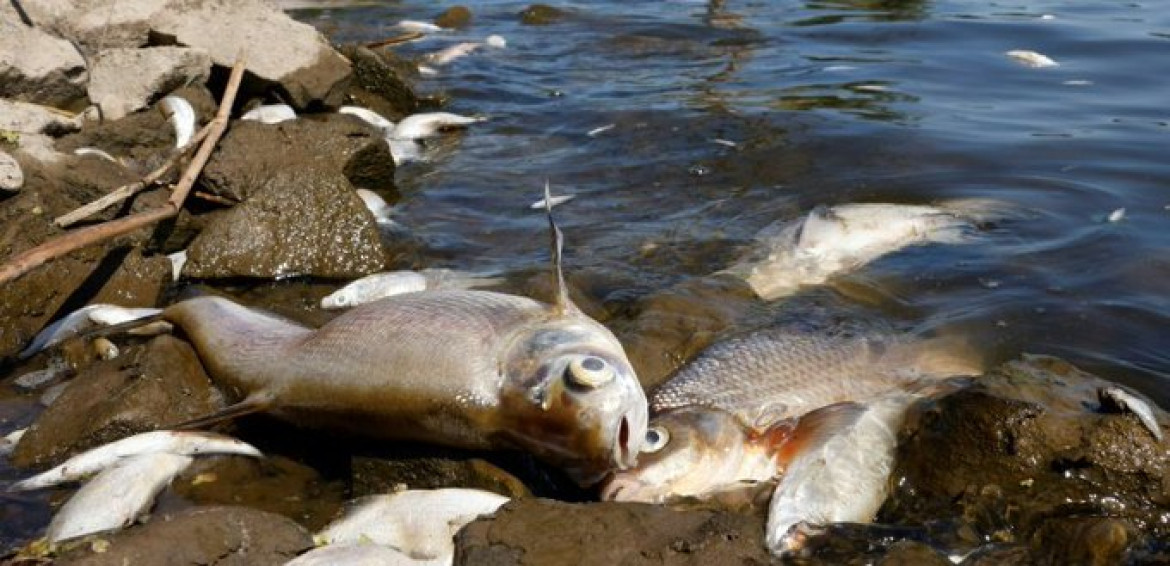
(29, 118)
(372, 476)
(337, 143)
(94, 24)
(299, 221)
(225, 536)
(541, 15)
(148, 387)
(1026, 447)
(37, 67)
(380, 82)
(280, 51)
(11, 175)
(542, 531)
(126, 80)
(454, 17)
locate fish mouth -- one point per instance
(621, 447)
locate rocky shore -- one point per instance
(1027, 465)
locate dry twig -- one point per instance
(25, 261)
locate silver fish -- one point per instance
(380, 285)
(368, 116)
(429, 124)
(182, 117)
(833, 240)
(86, 318)
(270, 114)
(361, 554)
(420, 523)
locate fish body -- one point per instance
(83, 319)
(182, 117)
(361, 554)
(380, 285)
(368, 116)
(419, 523)
(833, 240)
(270, 114)
(117, 496)
(429, 124)
(449, 54)
(97, 460)
(462, 368)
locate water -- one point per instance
(826, 102)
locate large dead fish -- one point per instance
(835, 239)
(465, 368)
(734, 416)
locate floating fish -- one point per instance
(182, 117)
(421, 27)
(368, 116)
(1031, 58)
(447, 55)
(380, 285)
(87, 318)
(429, 124)
(183, 443)
(270, 114)
(117, 496)
(420, 523)
(551, 202)
(833, 240)
(600, 130)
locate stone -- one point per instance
(541, 15)
(11, 175)
(37, 67)
(94, 24)
(454, 17)
(380, 82)
(300, 221)
(28, 118)
(126, 80)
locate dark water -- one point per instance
(827, 102)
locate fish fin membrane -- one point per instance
(942, 357)
(981, 210)
(254, 403)
(816, 427)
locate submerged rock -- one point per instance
(541, 15)
(454, 17)
(126, 80)
(542, 531)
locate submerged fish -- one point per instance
(832, 240)
(420, 523)
(380, 285)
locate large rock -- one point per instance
(27, 118)
(300, 221)
(542, 531)
(93, 24)
(37, 67)
(248, 155)
(224, 536)
(126, 80)
(146, 388)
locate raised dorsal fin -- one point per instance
(561, 303)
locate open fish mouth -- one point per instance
(621, 447)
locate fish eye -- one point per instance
(657, 438)
(589, 371)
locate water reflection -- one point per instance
(864, 10)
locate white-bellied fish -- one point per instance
(87, 318)
(270, 114)
(360, 554)
(182, 117)
(833, 240)
(381, 285)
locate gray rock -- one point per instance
(37, 67)
(11, 176)
(27, 118)
(125, 80)
(279, 50)
(94, 24)
(300, 221)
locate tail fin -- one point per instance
(981, 210)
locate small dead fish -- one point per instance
(182, 117)
(429, 124)
(184, 443)
(449, 54)
(39, 379)
(368, 116)
(378, 207)
(552, 201)
(1119, 399)
(360, 554)
(1116, 216)
(8, 442)
(600, 130)
(116, 497)
(178, 260)
(380, 285)
(421, 27)
(86, 318)
(270, 114)
(833, 240)
(83, 151)
(1031, 58)
(844, 476)
(420, 523)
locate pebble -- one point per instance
(11, 177)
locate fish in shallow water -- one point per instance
(465, 368)
(735, 415)
(835, 239)
(380, 285)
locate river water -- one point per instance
(826, 102)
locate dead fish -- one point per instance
(116, 497)
(420, 523)
(773, 374)
(83, 151)
(1031, 58)
(368, 116)
(379, 208)
(465, 368)
(178, 260)
(832, 240)
(184, 443)
(270, 114)
(182, 117)
(429, 124)
(1116, 398)
(551, 202)
(86, 318)
(421, 27)
(8, 442)
(380, 285)
(360, 554)
(34, 380)
(842, 477)
(451, 53)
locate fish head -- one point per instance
(696, 452)
(570, 397)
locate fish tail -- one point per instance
(981, 210)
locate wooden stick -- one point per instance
(403, 38)
(25, 261)
(126, 191)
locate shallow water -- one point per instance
(826, 102)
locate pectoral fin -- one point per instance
(258, 402)
(813, 429)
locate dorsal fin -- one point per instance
(561, 302)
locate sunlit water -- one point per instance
(825, 102)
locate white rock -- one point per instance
(11, 175)
(125, 80)
(37, 67)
